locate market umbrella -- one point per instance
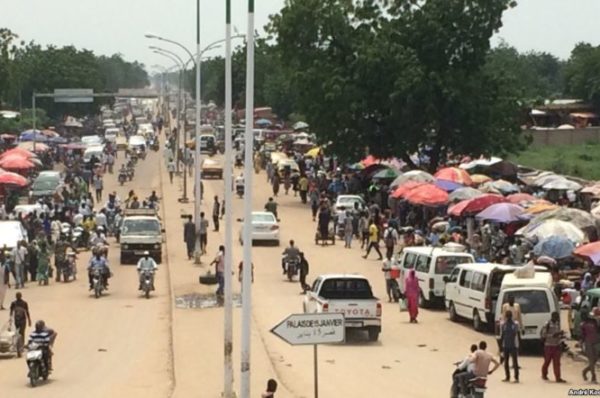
(562, 185)
(385, 174)
(8, 178)
(579, 218)
(556, 247)
(58, 140)
(540, 206)
(403, 189)
(427, 195)
(19, 151)
(16, 163)
(464, 193)
(313, 152)
(49, 133)
(517, 198)
(31, 135)
(550, 228)
(479, 179)
(505, 187)
(475, 205)
(263, 122)
(590, 250)
(545, 178)
(454, 174)
(75, 146)
(28, 145)
(300, 125)
(501, 212)
(416, 175)
(593, 190)
(448, 186)
(487, 187)
(369, 160)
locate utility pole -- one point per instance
(197, 152)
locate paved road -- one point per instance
(120, 345)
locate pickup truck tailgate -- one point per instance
(358, 309)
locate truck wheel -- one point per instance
(452, 312)
(373, 334)
(423, 303)
(477, 324)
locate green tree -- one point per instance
(7, 49)
(399, 77)
(582, 73)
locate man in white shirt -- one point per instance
(146, 263)
(19, 255)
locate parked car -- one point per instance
(45, 184)
(350, 295)
(212, 168)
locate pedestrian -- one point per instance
(388, 266)
(551, 336)
(348, 230)
(171, 169)
(203, 233)
(32, 260)
(373, 240)
(363, 227)
(324, 219)
(189, 237)
(303, 187)
(110, 162)
(19, 312)
(4, 278)
(412, 292)
(509, 341)
(98, 186)
(219, 263)
(589, 339)
(314, 202)
(271, 389)
(241, 272)
(19, 255)
(303, 268)
(215, 213)
(390, 238)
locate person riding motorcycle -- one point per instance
(44, 337)
(146, 263)
(291, 253)
(98, 238)
(98, 262)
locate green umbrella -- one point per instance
(386, 174)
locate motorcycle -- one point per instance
(239, 190)
(475, 387)
(78, 238)
(291, 268)
(122, 177)
(38, 368)
(98, 282)
(154, 145)
(147, 277)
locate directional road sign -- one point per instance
(74, 95)
(299, 329)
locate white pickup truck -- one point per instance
(350, 295)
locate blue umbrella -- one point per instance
(263, 122)
(448, 185)
(30, 135)
(556, 247)
(59, 140)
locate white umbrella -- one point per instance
(415, 175)
(300, 125)
(544, 179)
(562, 185)
(549, 228)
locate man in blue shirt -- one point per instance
(509, 334)
(98, 262)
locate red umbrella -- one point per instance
(16, 163)
(369, 160)
(517, 198)
(405, 188)
(13, 179)
(427, 195)
(17, 151)
(454, 174)
(591, 251)
(475, 205)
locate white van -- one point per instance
(97, 151)
(472, 291)
(136, 141)
(431, 265)
(535, 297)
(11, 232)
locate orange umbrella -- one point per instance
(479, 179)
(17, 151)
(454, 174)
(475, 205)
(427, 195)
(369, 160)
(540, 207)
(16, 163)
(517, 198)
(13, 179)
(405, 188)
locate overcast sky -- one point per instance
(111, 26)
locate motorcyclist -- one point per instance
(465, 366)
(98, 262)
(271, 207)
(146, 263)
(123, 171)
(44, 337)
(98, 238)
(101, 219)
(290, 253)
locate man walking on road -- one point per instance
(171, 169)
(551, 336)
(215, 214)
(189, 237)
(509, 340)
(98, 186)
(19, 311)
(203, 233)
(19, 255)
(373, 240)
(219, 263)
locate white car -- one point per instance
(111, 134)
(91, 140)
(264, 228)
(347, 201)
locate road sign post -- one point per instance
(313, 329)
